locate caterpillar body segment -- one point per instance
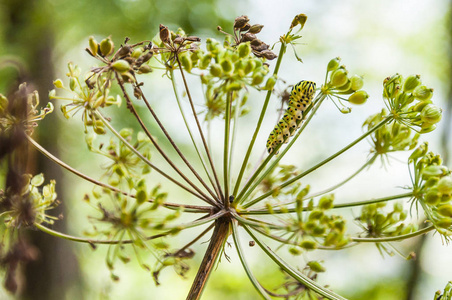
(300, 98)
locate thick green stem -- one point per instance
(396, 238)
(227, 123)
(259, 122)
(290, 181)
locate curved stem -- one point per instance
(203, 163)
(309, 283)
(200, 194)
(254, 281)
(187, 208)
(290, 181)
(259, 122)
(397, 238)
(247, 190)
(195, 115)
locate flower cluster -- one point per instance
(408, 101)
(340, 84)
(432, 188)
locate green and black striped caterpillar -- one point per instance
(300, 98)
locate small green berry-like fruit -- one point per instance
(445, 185)
(257, 78)
(431, 114)
(226, 65)
(357, 82)
(93, 46)
(244, 49)
(186, 62)
(308, 245)
(58, 84)
(444, 223)
(358, 97)
(271, 81)
(215, 70)
(333, 64)
(316, 266)
(411, 82)
(339, 77)
(445, 210)
(121, 66)
(422, 93)
(106, 46)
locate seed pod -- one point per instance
(339, 77)
(57, 83)
(137, 52)
(431, 114)
(316, 266)
(411, 82)
(326, 202)
(248, 37)
(93, 46)
(271, 81)
(268, 54)
(233, 86)
(72, 83)
(444, 223)
(308, 245)
(358, 97)
(226, 65)
(256, 28)
(144, 58)
(186, 62)
(144, 69)
(164, 34)
(106, 46)
(121, 66)
(244, 49)
(333, 64)
(215, 70)
(299, 20)
(432, 197)
(445, 210)
(357, 82)
(124, 51)
(240, 22)
(445, 185)
(258, 77)
(423, 93)
(193, 39)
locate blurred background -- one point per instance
(375, 39)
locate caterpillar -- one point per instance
(300, 97)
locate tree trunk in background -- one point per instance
(29, 34)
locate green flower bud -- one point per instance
(271, 81)
(121, 66)
(357, 82)
(445, 185)
(257, 78)
(244, 49)
(93, 46)
(418, 152)
(308, 245)
(333, 64)
(423, 93)
(445, 210)
(226, 65)
(411, 82)
(431, 114)
(391, 86)
(215, 70)
(358, 97)
(186, 62)
(339, 77)
(58, 84)
(316, 266)
(106, 46)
